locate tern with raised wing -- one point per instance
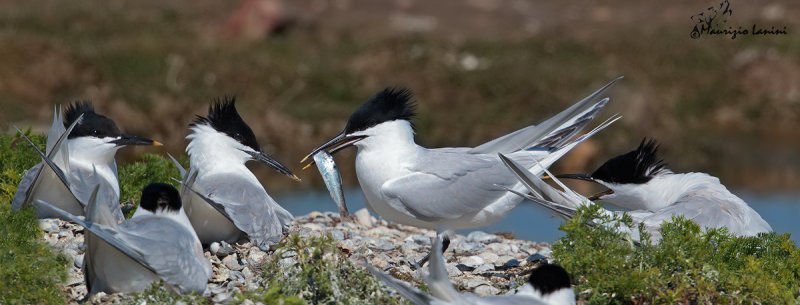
(453, 188)
(640, 175)
(230, 203)
(80, 144)
(156, 244)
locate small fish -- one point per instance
(333, 181)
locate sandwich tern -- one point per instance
(547, 285)
(157, 243)
(699, 197)
(453, 188)
(86, 147)
(230, 202)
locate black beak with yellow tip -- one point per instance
(134, 140)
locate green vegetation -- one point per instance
(688, 265)
(135, 176)
(30, 271)
(319, 274)
(157, 294)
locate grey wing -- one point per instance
(248, 205)
(25, 187)
(82, 181)
(187, 187)
(711, 210)
(169, 250)
(554, 131)
(50, 163)
(450, 185)
(107, 233)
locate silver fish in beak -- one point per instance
(333, 181)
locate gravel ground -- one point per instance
(485, 264)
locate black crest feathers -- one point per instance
(223, 117)
(549, 278)
(636, 166)
(75, 110)
(387, 105)
(92, 124)
(160, 196)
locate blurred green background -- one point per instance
(479, 69)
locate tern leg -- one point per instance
(420, 263)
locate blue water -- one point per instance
(532, 222)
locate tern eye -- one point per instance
(238, 136)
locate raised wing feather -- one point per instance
(57, 150)
(248, 205)
(569, 122)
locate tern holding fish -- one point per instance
(453, 188)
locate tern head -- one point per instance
(97, 130)
(231, 136)
(160, 198)
(551, 283)
(388, 105)
(623, 172)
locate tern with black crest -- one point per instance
(230, 202)
(639, 181)
(79, 145)
(451, 188)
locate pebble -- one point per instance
(363, 218)
(48, 225)
(221, 298)
(482, 237)
(486, 290)
(232, 262)
(381, 244)
(512, 263)
(489, 257)
(483, 268)
(337, 235)
(452, 271)
(472, 261)
(256, 257)
(471, 284)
